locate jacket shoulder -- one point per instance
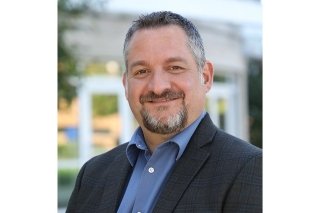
(222, 144)
(235, 147)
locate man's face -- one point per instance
(164, 89)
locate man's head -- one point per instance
(166, 18)
(167, 75)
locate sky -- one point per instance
(235, 11)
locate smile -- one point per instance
(166, 96)
(162, 100)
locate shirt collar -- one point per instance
(183, 138)
(137, 142)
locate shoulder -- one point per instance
(231, 144)
(95, 176)
(242, 168)
(221, 143)
(225, 150)
(237, 157)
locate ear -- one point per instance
(208, 73)
(125, 83)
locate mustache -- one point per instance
(166, 94)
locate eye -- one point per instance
(176, 69)
(141, 73)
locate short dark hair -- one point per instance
(165, 18)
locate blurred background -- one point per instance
(93, 115)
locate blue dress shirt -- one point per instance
(151, 170)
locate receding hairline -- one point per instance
(155, 28)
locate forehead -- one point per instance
(160, 41)
(165, 34)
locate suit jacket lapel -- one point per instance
(188, 166)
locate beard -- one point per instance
(173, 123)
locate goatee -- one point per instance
(174, 123)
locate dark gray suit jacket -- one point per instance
(216, 173)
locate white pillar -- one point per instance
(85, 127)
(126, 118)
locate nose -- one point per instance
(159, 82)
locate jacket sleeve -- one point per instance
(72, 204)
(245, 195)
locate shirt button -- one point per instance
(151, 170)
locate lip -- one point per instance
(162, 100)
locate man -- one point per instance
(177, 160)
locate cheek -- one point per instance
(134, 93)
(190, 86)
(194, 92)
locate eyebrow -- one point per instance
(176, 59)
(139, 63)
(169, 60)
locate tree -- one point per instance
(67, 63)
(255, 101)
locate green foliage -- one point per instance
(67, 64)
(220, 78)
(67, 151)
(104, 105)
(66, 69)
(67, 176)
(255, 101)
(78, 7)
(66, 181)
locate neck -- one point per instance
(153, 140)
